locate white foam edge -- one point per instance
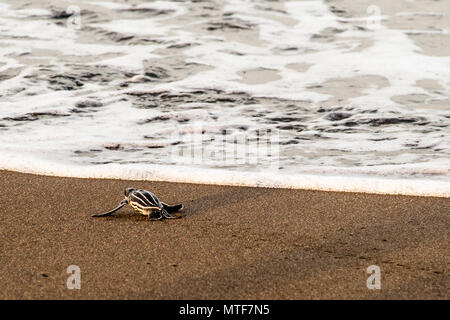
(268, 179)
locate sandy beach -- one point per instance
(232, 243)
(356, 92)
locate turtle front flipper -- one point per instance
(106, 214)
(172, 208)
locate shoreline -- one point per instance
(232, 242)
(349, 182)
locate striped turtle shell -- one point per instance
(142, 200)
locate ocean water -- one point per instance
(295, 94)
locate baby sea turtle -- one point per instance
(146, 203)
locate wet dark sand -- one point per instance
(232, 243)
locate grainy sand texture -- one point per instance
(232, 243)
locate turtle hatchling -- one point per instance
(146, 203)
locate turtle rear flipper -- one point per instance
(172, 208)
(168, 215)
(155, 215)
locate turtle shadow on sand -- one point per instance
(222, 198)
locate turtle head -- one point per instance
(128, 191)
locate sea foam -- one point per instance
(119, 97)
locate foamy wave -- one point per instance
(339, 181)
(355, 107)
